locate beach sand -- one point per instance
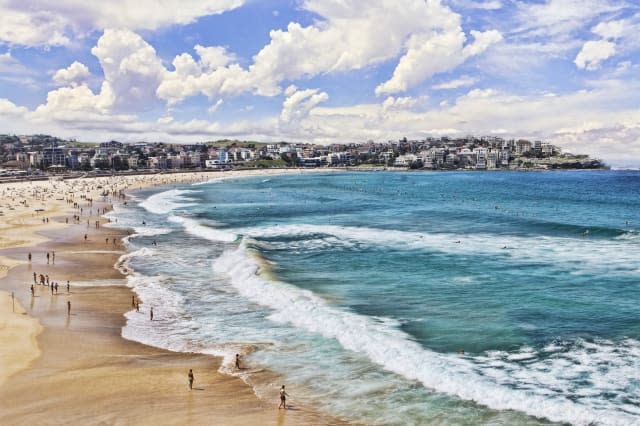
(76, 368)
(18, 330)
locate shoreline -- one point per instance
(287, 170)
(83, 370)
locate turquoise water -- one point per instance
(406, 298)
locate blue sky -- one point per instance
(325, 70)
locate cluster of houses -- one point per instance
(47, 153)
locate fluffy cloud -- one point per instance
(401, 103)
(29, 28)
(593, 53)
(131, 68)
(299, 103)
(73, 75)
(77, 99)
(212, 75)
(50, 22)
(347, 37)
(8, 108)
(427, 55)
(610, 30)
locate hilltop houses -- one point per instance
(47, 153)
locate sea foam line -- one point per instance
(198, 229)
(165, 202)
(614, 256)
(395, 351)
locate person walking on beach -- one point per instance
(151, 314)
(29, 256)
(238, 361)
(68, 307)
(33, 291)
(67, 286)
(190, 376)
(283, 398)
(133, 301)
(47, 258)
(137, 306)
(53, 256)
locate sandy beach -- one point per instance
(63, 360)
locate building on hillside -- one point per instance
(53, 156)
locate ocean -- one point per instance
(400, 298)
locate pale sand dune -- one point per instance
(87, 373)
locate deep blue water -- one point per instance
(407, 298)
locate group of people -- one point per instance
(43, 279)
(283, 393)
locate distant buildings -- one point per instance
(47, 153)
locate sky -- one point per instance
(325, 71)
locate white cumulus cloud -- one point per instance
(610, 30)
(75, 74)
(593, 53)
(8, 108)
(131, 68)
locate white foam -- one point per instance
(395, 351)
(98, 283)
(163, 331)
(172, 328)
(200, 230)
(165, 202)
(123, 261)
(94, 252)
(149, 231)
(610, 256)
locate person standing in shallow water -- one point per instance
(283, 398)
(151, 314)
(190, 376)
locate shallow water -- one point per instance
(362, 289)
